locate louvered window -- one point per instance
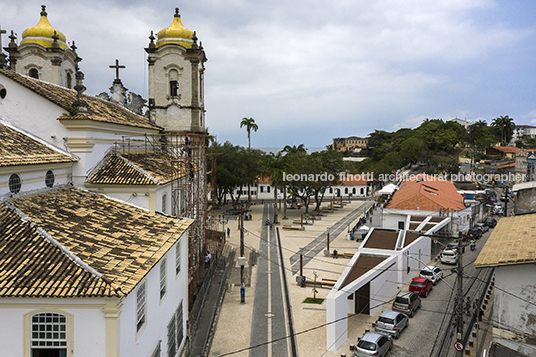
(163, 277)
(140, 306)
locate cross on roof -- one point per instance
(117, 66)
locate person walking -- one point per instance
(473, 244)
(207, 260)
(468, 306)
(228, 232)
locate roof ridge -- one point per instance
(55, 243)
(137, 168)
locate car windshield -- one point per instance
(386, 320)
(366, 345)
(417, 284)
(401, 300)
(448, 254)
(426, 272)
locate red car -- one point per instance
(421, 286)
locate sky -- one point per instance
(309, 71)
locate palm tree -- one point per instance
(507, 126)
(250, 124)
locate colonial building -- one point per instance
(349, 144)
(90, 194)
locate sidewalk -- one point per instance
(233, 329)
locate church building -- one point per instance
(102, 233)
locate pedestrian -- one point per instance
(473, 244)
(468, 306)
(271, 225)
(370, 219)
(207, 260)
(228, 232)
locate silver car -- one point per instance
(373, 344)
(407, 302)
(391, 322)
(432, 273)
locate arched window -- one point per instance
(49, 178)
(49, 334)
(34, 73)
(14, 183)
(3, 92)
(268, 189)
(353, 190)
(173, 83)
(164, 203)
(346, 190)
(69, 81)
(362, 191)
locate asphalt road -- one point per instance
(431, 331)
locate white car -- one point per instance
(432, 273)
(449, 256)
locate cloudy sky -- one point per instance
(308, 71)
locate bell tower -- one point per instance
(176, 69)
(43, 54)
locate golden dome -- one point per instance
(42, 33)
(175, 33)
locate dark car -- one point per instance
(490, 222)
(475, 233)
(421, 286)
(492, 200)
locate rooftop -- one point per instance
(99, 110)
(513, 241)
(17, 148)
(116, 244)
(426, 193)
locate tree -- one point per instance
(250, 124)
(507, 127)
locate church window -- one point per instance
(178, 258)
(69, 81)
(262, 189)
(49, 334)
(173, 83)
(49, 178)
(3, 92)
(140, 306)
(163, 278)
(164, 203)
(173, 88)
(34, 73)
(346, 190)
(14, 183)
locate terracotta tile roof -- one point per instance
(31, 266)
(426, 193)
(513, 164)
(507, 149)
(99, 110)
(135, 168)
(17, 148)
(119, 241)
(513, 241)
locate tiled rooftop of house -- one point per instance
(117, 240)
(136, 168)
(17, 148)
(513, 241)
(426, 193)
(99, 110)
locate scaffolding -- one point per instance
(188, 153)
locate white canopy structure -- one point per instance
(388, 190)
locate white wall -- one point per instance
(33, 176)
(515, 288)
(159, 312)
(89, 323)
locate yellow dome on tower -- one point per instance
(175, 33)
(43, 33)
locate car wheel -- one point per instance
(420, 304)
(426, 293)
(397, 335)
(411, 314)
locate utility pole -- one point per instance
(242, 260)
(459, 296)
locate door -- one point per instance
(362, 300)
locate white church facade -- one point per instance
(93, 258)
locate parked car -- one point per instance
(373, 344)
(449, 256)
(492, 200)
(407, 302)
(475, 233)
(391, 322)
(432, 273)
(497, 209)
(483, 226)
(421, 286)
(490, 222)
(451, 246)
